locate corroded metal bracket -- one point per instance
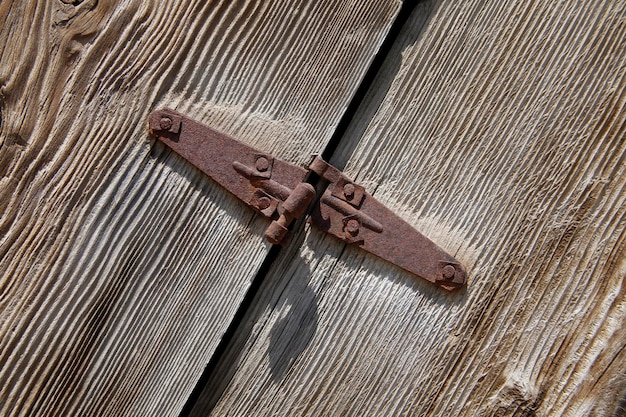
(277, 190)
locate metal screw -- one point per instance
(264, 202)
(262, 164)
(352, 227)
(348, 191)
(166, 123)
(448, 272)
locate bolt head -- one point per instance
(264, 202)
(448, 272)
(352, 227)
(348, 191)
(165, 123)
(262, 164)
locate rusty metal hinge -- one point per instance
(277, 190)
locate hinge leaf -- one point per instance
(378, 230)
(240, 168)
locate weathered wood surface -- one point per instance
(497, 129)
(121, 266)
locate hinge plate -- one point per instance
(276, 189)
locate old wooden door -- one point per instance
(133, 285)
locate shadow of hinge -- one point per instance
(277, 190)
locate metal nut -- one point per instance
(448, 272)
(165, 123)
(262, 164)
(348, 191)
(352, 227)
(264, 202)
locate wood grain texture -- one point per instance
(497, 129)
(120, 265)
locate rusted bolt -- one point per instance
(348, 191)
(352, 227)
(264, 202)
(165, 123)
(262, 164)
(448, 272)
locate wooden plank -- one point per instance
(497, 129)
(121, 265)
